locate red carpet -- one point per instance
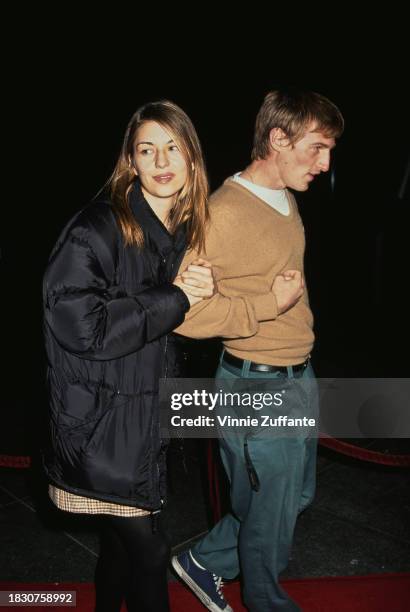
(373, 593)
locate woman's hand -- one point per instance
(197, 281)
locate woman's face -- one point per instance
(160, 164)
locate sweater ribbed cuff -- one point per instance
(266, 306)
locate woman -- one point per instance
(110, 300)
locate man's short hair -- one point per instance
(293, 111)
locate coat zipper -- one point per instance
(153, 514)
(165, 376)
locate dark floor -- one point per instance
(359, 522)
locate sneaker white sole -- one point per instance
(202, 596)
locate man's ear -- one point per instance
(278, 139)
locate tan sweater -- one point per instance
(249, 243)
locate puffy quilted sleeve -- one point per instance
(86, 314)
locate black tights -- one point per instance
(132, 565)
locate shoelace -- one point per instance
(219, 584)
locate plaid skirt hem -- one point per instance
(70, 502)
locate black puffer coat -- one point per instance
(108, 310)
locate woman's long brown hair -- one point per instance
(191, 203)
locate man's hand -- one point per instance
(288, 289)
(197, 281)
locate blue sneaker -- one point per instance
(205, 585)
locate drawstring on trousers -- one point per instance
(253, 476)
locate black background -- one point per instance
(67, 113)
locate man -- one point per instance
(255, 243)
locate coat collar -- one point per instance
(152, 226)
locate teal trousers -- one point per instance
(255, 539)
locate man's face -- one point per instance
(299, 163)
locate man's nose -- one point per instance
(324, 161)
